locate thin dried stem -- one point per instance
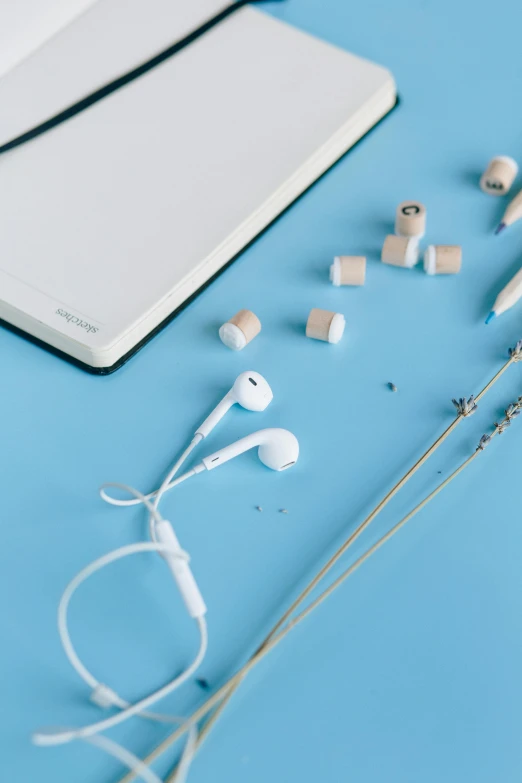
(221, 697)
(511, 412)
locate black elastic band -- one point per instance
(121, 81)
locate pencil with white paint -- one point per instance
(507, 297)
(512, 213)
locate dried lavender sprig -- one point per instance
(222, 696)
(516, 352)
(465, 407)
(483, 442)
(512, 411)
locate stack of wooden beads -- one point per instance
(402, 248)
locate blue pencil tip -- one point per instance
(490, 316)
(500, 227)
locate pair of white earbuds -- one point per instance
(278, 449)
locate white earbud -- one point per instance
(250, 390)
(278, 449)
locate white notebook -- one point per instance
(112, 221)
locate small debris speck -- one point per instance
(392, 387)
(203, 684)
(259, 508)
(439, 471)
(283, 511)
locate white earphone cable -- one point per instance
(138, 767)
(127, 758)
(111, 698)
(166, 485)
(135, 501)
(102, 694)
(153, 516)
(136, 764)
(85, 573)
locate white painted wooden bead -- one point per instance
(325, 325)
(443, 259)
(499, 175)
(240, 330)
(400, 251)
(410, 219)
(348, 270)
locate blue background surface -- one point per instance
(412, 670)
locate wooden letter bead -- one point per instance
(400, 251)
(499, 175)
(325, 325)
(443, 259)
(410, 219)
(348, 270)
(240, 330)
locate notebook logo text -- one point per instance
(74, 319)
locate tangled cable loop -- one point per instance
(105, 697)
(165, 544)
(465, 407)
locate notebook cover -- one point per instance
(127, 202)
